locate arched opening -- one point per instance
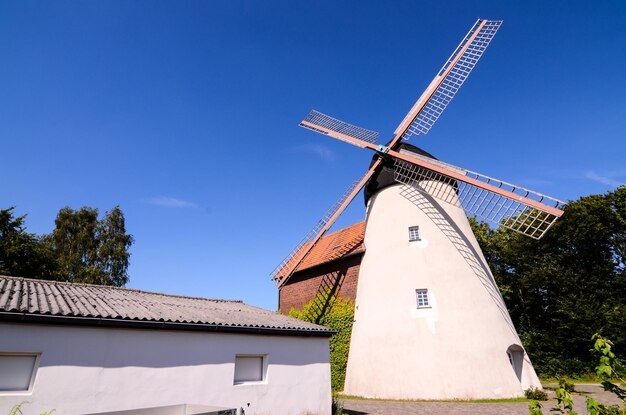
(515, 354)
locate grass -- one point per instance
(585, 378)
(504, 400)
(548, 384)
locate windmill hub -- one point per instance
(385, 176)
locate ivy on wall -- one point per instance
(339, 316)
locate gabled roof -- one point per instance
(24, 299)
(336, 245)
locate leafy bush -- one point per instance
(339, 316)
(567, 385)
(536, 394)
(610, 370)
(534, 408)
(565, 403)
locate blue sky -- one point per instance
(185, 114)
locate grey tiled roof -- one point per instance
(56, 301)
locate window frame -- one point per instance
(33, 375)
(422, 298)
(414, 234)
(263, 379)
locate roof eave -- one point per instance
(17, 317)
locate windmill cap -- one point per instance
(385, 176)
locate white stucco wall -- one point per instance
(456, 348)
(83, 370)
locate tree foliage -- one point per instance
(81, 248)
(339, 317)
(568, 285)
(21, 253)
(91, 250)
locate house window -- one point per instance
(422, 298)
(249, 369)
(414, 233)
(17, 371)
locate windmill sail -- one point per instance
(504, 204)
(341, 130)
(514, 207)
(360, 137)
(289, 264)
(433, 101)
(449, 79)
(507, 205)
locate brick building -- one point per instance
(333, 265)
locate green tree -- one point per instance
(568, 285)
(113, 248)
(81, 248)
(90, 250)
(21, 253)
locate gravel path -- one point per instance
(354, 407)
(364, 407)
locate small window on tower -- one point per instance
(422, 298)
(414, 233)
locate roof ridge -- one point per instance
(82, 284)
(354, 225)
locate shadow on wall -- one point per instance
(114, 348)
(427, 204)
(330, 284)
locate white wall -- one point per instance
(84, 370)
(455, 349)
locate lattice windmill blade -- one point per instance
(505, 204)
(522, 210)
(285, 269)
(341, 130)
(434, 100)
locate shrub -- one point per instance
(567, 385)
(535, 394)
(534, 408)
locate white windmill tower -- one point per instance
(430, 322)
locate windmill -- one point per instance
(430, 322)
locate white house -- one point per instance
(80, 348)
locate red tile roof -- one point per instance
(331, 247)
(336, 245)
